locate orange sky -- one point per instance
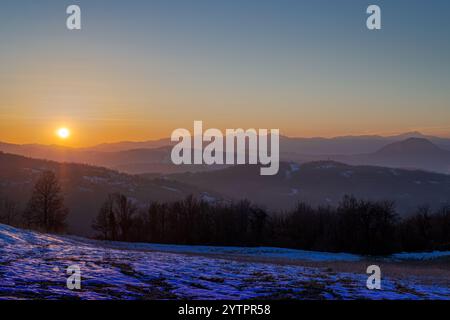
(140, 73)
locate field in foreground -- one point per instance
(33, 266)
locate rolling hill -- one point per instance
(325, 183)
(85, 187)
(322, 182)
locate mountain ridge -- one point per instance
(139, 159)
(325, 183)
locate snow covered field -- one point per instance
(33, 266)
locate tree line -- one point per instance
(354, 225)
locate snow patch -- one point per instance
(421, 255)
(33, 266)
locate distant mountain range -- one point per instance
(409, 150)
(348, 145)
(130, 145)
(314, 146)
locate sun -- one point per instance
(63, 133)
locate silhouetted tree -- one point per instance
(440, 226)
(9, 211)
(258, 220)
(124, 209)
(416, 230)
(367, 227)
(104, 222)
(46, 210)
(116, 217)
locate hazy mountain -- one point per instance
(311, 146)
(325, 182)
(129, 145)
(412, 147)
(154, 156)
(133, 161)
(350, 144)
(140, 161)
(86, 186)
(413, 153)
(40, 151)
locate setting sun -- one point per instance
(63, 133)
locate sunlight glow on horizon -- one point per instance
(140, 73)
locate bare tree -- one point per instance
(8, 211)
(125, 210)
(46, 209)
(105, 222)
(115, 218)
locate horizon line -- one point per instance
(374, 135)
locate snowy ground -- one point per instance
(33, 266)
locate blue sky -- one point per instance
(144, 68)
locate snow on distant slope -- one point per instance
(33, 266)
(421, 255)
(256, 252)
(264, 252)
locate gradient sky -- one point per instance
(140, 69)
